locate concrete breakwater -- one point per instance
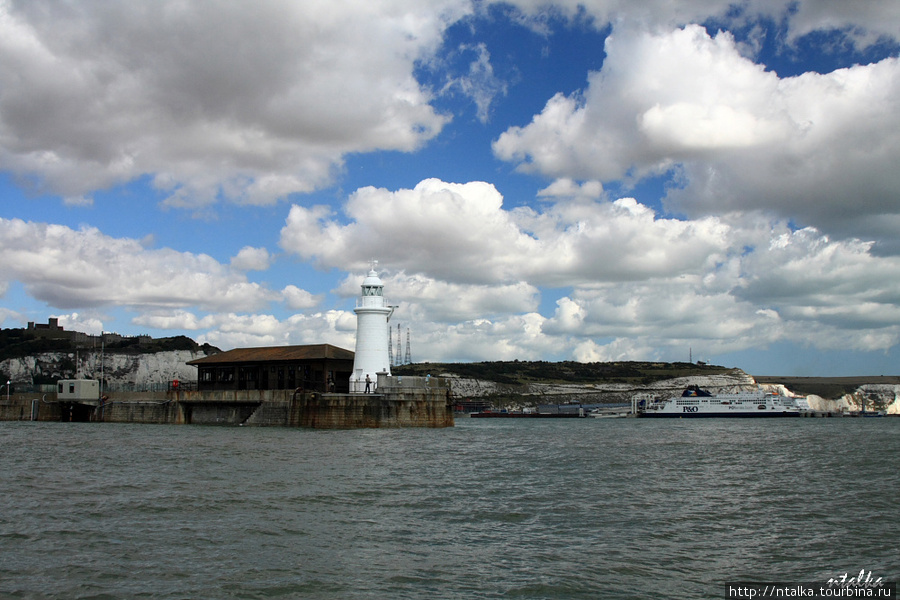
(398, 402)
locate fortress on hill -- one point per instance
(53, 331)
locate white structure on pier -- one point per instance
(372, 334)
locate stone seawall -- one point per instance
(21, 407)
(409, 403)
(411, 408)
(157, 412)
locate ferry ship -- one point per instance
(695, 402)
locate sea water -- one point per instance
(518, 508)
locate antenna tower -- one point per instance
(408, 358)
(391, 348)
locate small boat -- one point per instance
(526, 414)
(599, 413)
(695, 403)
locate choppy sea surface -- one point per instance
(568, 508)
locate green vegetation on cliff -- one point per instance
(20, 343)
(524, 372)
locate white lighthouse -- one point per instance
(372, 316)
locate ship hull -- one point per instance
(719, 415)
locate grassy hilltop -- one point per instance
(525, 372)
(21, 343)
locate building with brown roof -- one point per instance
(317, 367)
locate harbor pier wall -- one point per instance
(25, 407)
(412, 408)
(415, 402)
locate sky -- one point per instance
(593, 181)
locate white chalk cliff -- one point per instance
(117, 368)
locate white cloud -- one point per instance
(616, 350)
(480, 83)
(640, 284)
(567, 188)
(664, 315)
(297, 299)
(862, 21)
(174, 320)
(249, 103)
(85, 268)
(332, 327)
(251, 259)
(461, 233)
(660, 99)
(81, 322)
(865, 21)
(791, 285)
(513, 337)
(458, 231)
(811, 279)
(817, 148)
(426, 299)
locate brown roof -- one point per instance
(276, 354)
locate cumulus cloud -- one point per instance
(251, 259)
(81, 322)
(334, 327)
(513, 337)
(792, 285)
(298, 299)
(173, 319)
(863, 22)
(69, 268)
(426, 299)
(567, 188)
(461, 233)
(807, 277)
(638, 282)
(665, 315)
(10, 315)
(246, 103)
(817, 147)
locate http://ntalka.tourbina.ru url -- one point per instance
(862, 585)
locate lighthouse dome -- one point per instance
(372, 279)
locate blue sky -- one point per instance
(587, 181)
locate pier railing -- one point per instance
(401, 382)
(112, 387)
